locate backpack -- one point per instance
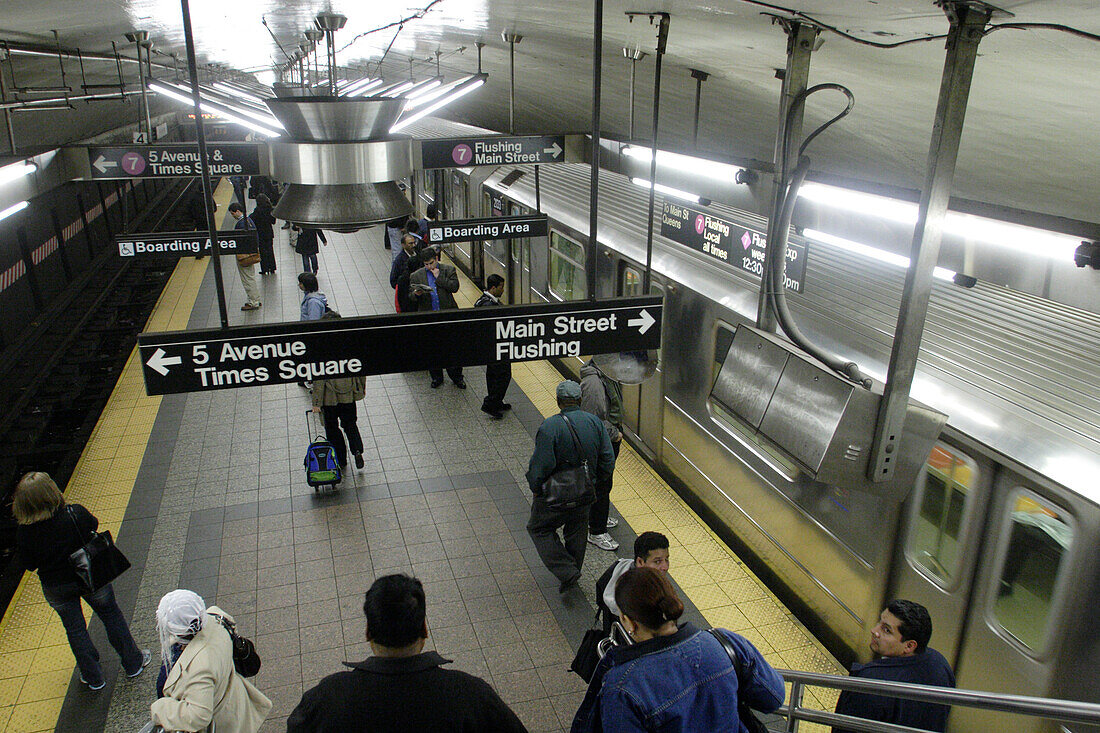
(321, 466)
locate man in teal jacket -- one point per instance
(554, 449)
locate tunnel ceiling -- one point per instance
(1030, 141)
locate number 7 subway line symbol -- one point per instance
(160, 361)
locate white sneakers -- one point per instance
(603, 541)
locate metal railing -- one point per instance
(1065, 711)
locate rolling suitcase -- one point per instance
(321, 466)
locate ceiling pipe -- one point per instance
(44, 103)
(29, 49)
(330, 23)
(137, 38)
(315, 36)
(699, 77)
(511, 39)
(635, 55)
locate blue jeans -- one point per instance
(65, 599)
(309, 263)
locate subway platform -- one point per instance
(206, 491)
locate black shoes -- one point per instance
(437, 385)
(571, 583)
(358, 460)
(461, 384)
(505, 406)
(495, 414)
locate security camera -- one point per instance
(1087, 255)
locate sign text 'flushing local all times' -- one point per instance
(291, 352)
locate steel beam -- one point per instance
(800, 45)
(594, 182)
(968, 21)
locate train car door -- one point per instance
(1024, 614)
(937, 559)
(460, 251)
(494, 253)
(519, 263)
(642, 403)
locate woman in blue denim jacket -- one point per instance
(674, 678)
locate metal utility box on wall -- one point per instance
(821, 420)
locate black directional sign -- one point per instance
(496, 227)
(462, 152)
(173, 161)
(727, 242)
(280, 353)
(185, 244)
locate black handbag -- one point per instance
(570, 487)
(588, 655)
(97, 562)
(245, 658)
(748, 718)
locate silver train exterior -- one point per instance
(997, 538)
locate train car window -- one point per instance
(1039, 536)
(942, 500)
(632, 281)
(567, 279)
(516, 245)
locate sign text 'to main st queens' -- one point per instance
(281, 353)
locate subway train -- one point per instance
(997, 535)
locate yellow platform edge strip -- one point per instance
(36, 663)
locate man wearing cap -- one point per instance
(554, 450)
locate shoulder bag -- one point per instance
(588, 654)
(250, 258)
(570, 487)
(245, 658)
(97, 562)
(748, 718)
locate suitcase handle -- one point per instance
(320, 425)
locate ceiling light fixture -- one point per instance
(461, 90)
(13, 209)
(429, 86)
(668, 190)
(400, 89)
(1025, 239)
(239, 91)
(365, 82)
(685, 163)
(213, 108)
(361, 90)
(16, 170)
(874, 253)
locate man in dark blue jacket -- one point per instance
(900, 643)
(554, 449)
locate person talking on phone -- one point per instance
(432, 287)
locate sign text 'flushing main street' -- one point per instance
(281, 353)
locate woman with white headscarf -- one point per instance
(201, 686)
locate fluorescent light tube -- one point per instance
(459, 92)
(364, 88)
(686, 163)
(400, 89)
(436, 93)
(13, 209)
(667, 190)
(429, 85)
(1027, 240)
(206, 106)
(16, 170)
(359, 84)
(873, 253)
(231, 89)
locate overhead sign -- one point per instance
(727, 242)
(282, 353)
(173, 160)
(496, 227)
(462, 152)
(185, 244)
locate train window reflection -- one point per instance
(941, 502)
(566, 268)
(632, 281)
(1039, 538)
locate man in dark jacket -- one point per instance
(900, 643)
(498, 374)
(401, 687)
(433, 288)
(554, 450)
(603, 397)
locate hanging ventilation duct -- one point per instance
(339, 161)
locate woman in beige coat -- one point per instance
(202, 686)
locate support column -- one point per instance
(800, 44)
(145, 123)
(699, 77)
(594, 182)
(511, 39)
(635, 55)
(968, 22)
(207, 186)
